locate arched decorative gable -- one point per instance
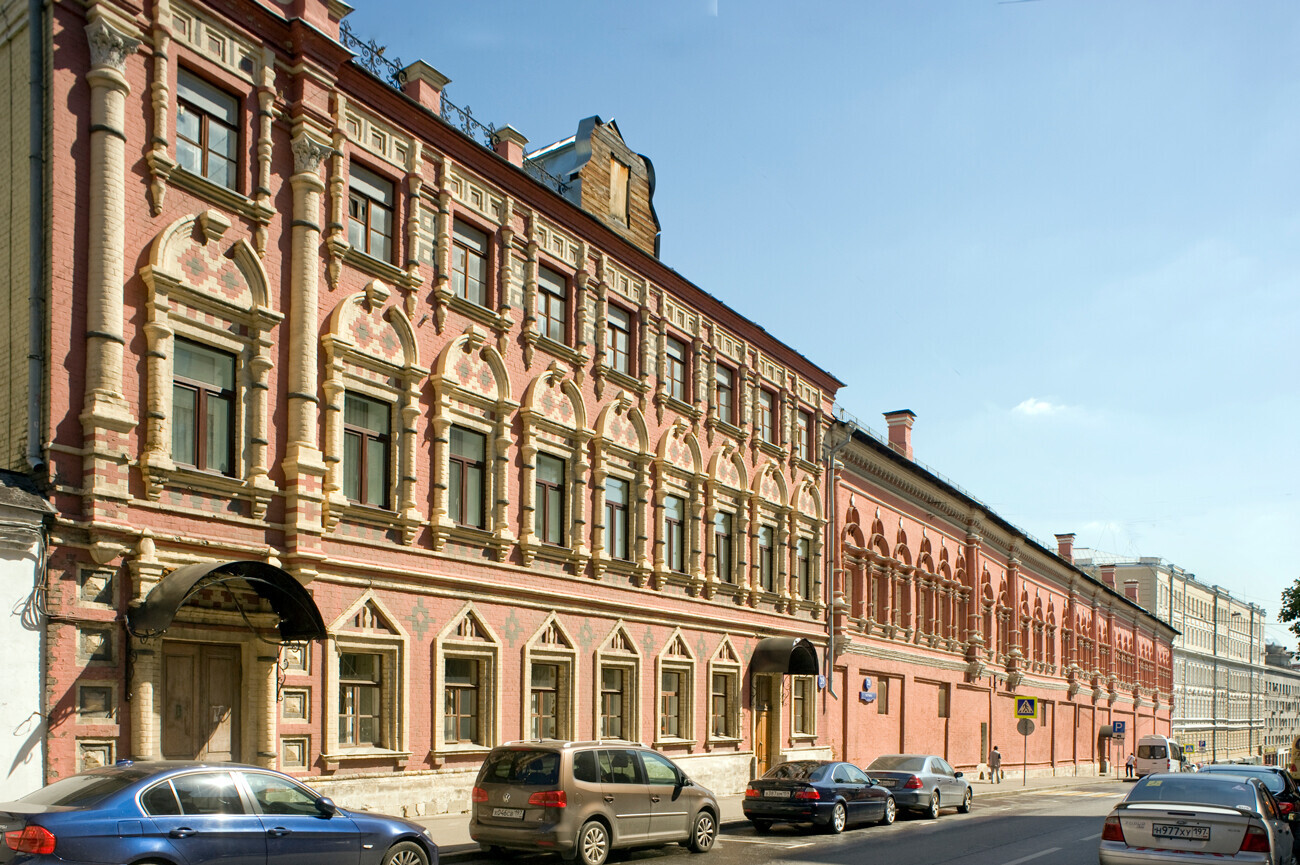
(371, 351)
(678, 471)
(726, 520)
(621, 451)
(555, 423)
(211, 292)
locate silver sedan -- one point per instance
(921, 782)
(1178, 818)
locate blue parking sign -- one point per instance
(1118, 728)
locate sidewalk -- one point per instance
(451, 831)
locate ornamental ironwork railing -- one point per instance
(373, 58)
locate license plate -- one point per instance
(1190, 833)
(886, 782)
(776, 794)
(512, 813)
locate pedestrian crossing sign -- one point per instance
(1026, 707)
(1189, 748)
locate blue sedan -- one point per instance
(825, 793)
(183, 813)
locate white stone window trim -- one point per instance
(720, 665)
(487, 653)
(490, 416)
(533, 440)
(811, 713)
(686, 711)
(630, 662)
(397, 385)
(732, 499)
(690, 487)
(395, 652)
(166, 287)
(605, 451)
(777, 515)
(562, 655)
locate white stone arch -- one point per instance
(728, 479)
(368, 626)
(805, 525)
(679, 472)
(621, 449)
(769, 507)
(208, 290)
(471, 389)
(468, 636)
(554, 421)
(370, 349)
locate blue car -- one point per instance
(184, 813)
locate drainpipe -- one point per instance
(36, 240)
(828, 551)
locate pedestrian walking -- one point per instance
(1128, 765)
(995, 765)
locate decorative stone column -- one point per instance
(304, 469)
(266, 674)
(106, 418)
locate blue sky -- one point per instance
(1065, 233)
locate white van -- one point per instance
(1159, 754)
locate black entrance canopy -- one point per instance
(793, 655)
(299, 617)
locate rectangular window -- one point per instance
(722, 707)
(725, 400)
(723, 545)
(613, 702)
(207, 130)
(367, 424)
(469, 261)
(552, 295)
(675, 533)
(616, 498)
(359, 678)
(544, 701)
(671, 702)
(767, 416)
(618, 339)
(619, 175)
(203, 408)
(804, 564)
(675, 368)
(803, 705)
(548, 513)
(882, 696)
(766, 558)
(466, 464)
(370, 213)
(460, 707)
(803, 435)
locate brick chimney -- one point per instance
(1065, 547)
(324, 15)
(424, 84)
(510, 146)
(900, 430)
(1131, 590)
(1108, 575)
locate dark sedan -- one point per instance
(922, 782)
(1279, 783)
(824, 793)
(182, 813)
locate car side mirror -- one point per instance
(957, 774)
(326, 806)
(683, 781)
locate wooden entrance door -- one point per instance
(767, 721)
(200, 702)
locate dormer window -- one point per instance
(619, 178)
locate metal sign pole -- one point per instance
(1024, 766)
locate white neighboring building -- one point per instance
(22, 570)
(1281, 705)
(1219, 671)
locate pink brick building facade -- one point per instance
(371, 450)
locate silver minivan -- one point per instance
(583, 799)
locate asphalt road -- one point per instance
(1005, 827)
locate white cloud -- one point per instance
(1034, 407)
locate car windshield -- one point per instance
(802, 770)
(897, 763)
(86, 790)
(526, 767)
(1272, 780)
(1227, 791)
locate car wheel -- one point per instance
(593, 843)
(964, 807)
(406, 853)
(704, 833)
(839, 819)
(762, 827)
(891, 812)
(933, 811)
